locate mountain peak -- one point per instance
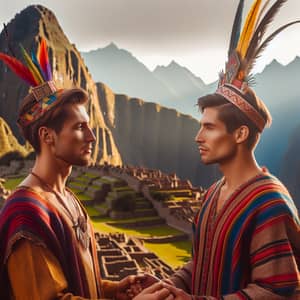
(174, 64)
(112, 46)
(296, 60)
(27, 28)
(274, 63)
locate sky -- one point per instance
(194, 33)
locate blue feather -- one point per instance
(37, 64)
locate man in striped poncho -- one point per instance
(247, 233)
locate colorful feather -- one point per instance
(19, 69)
(37, 64)
(31, 66)
(271, 37)
(44, 59)
(260, 31)
(248, 29)
(236, 28)
(262, 11)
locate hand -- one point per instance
(148, 280)
(144, 281)
(155, 292)
(178, 294)
(129, 287)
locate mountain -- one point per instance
(183, 83)
(173, 86)
(277, 85)
(8, 142)
(27, 28)
(129, 130)
(290, 167)
(153, 136)
(279, 88)
(120, 70)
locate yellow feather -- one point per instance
(33, 69)
(248, 28)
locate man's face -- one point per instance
(73, 143)
(216, 145)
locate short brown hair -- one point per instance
(54, 118)
(232, 117)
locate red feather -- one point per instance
(44, 59)
(18, 68)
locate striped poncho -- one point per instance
(250, 249)
(27, 215)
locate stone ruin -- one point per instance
(120, 256)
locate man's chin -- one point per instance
(83, 162)
(207, 162)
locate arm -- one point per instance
(274, 252)
(35, 273)
(183, 277)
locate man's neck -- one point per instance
(239, 170)
(54, 173)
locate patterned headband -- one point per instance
(37, 73)
(245, 47)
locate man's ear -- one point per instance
(242, 134)
(46, 135)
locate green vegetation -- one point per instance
(91, 175)
(123, 189)
(162, 196)
(133, 220)
(82, 197)
(78, 183)
(92, 211)
(174, 254)
(124, 201)
(12, 183)
(163, 230)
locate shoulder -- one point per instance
(29, 203)
(266, 185)
(273, 198)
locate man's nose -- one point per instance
(198, 136)
(90, 135)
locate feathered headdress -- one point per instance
(37, 73)
(246, 45)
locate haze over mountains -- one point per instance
(277, 85)
(170, 86)
(132, 130)
(121, 123)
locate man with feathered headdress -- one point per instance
(47, 244)
(246, 242)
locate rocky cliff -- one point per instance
(153, 136)
(8, 142)
(128, 130)
(69, 70)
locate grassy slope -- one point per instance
(175, 254)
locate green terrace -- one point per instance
(124, 210)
